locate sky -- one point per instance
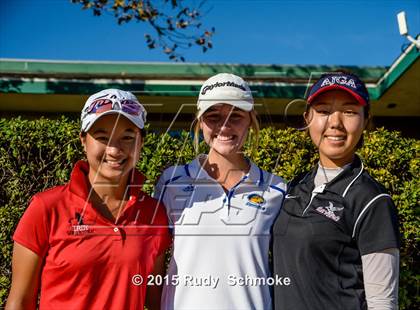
(363, 33)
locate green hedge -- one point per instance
(35, 155)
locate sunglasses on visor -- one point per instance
(99, 106)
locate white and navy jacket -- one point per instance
(321, 234)
(219, 236)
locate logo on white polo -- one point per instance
(329, 211)
(256, 200)
(189, 188)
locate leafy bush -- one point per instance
(38, 154)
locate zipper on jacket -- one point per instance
(317, 190)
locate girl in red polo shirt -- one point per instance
(92, 243)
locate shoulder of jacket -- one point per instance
(52, 192)
(275, 180)
(150, 201)
(50, 196)
(366, 183)
(173, 172)
(298, 179)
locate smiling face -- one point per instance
(225, 128)
(336, 122)
(112, 147)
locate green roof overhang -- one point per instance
(63, 86)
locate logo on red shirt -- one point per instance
(77, 227)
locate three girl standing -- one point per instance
(336, 237)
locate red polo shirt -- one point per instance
(89, 262)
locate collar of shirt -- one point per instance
(79, 186)
(341, 183)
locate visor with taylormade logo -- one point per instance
(225, 88)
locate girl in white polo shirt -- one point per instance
(221, 207)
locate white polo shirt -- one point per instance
(221, 239)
